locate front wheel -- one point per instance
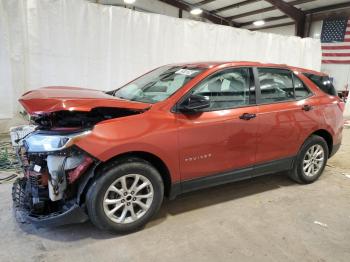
(311, 160)
(126, 196)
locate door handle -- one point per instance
(247, 116)
(306, 107)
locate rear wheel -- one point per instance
(311, 160)
(126, 196)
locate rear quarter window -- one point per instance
(323, 83)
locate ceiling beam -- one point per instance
(268, 19)
(236, 5)
(296, 14)
(318, 14)
(273, 26)
(315, 14)
(329, 14)
(267, 9)
(307, 25)
(204, 2)
(216, 19)
(293, 12)
(328, 8)
(255, 12)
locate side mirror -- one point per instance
(194, 103)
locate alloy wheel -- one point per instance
(128, 198)
(313, 160)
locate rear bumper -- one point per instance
(334, 150)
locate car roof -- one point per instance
(210, 64)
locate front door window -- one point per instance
(230, 88)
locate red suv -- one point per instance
(112, 156)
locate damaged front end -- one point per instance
(56, 171)
(47, 194)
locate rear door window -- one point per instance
(276, 85)
(301, 91)
(323, 82)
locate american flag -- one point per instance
(335, 39)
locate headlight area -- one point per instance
(39, 142)
(52, 167)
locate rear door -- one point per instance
(285, 116)
(219, 139)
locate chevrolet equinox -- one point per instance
(112, 156)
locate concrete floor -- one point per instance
(265, 219)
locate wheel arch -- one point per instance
(154, 160)
(326, 135)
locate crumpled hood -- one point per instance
(57, 98)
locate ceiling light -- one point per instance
(129, 2)
(196, 11)
(259, 23)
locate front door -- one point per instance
(222, 137)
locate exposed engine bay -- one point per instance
(53, 167)
(78, 119)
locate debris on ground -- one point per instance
(6, 177)
(8, 158)
(320, 224)
(9, 165)
(346, 175)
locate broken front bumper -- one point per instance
(72, 213)
(49, 193)
(75, 214)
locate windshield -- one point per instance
(158, 84)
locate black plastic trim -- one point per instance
(84, 182)
(74, 215)
(335, 149)
(232, 176)
(274, 166)
(257, 85)
(175, 190)
(214, 180)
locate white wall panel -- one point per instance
(77, 43)
(5, 70)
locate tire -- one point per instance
(101, 194)
(298, 173)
